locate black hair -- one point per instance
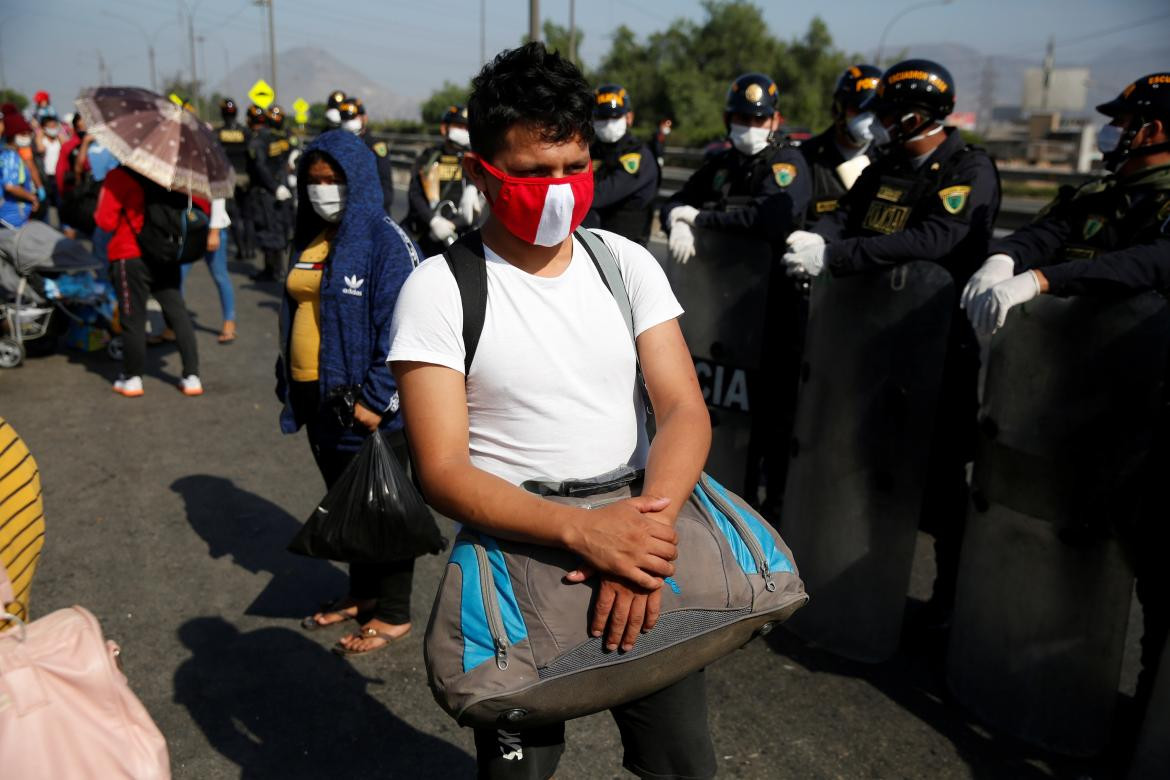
(533, 86)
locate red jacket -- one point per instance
(120, 211)
(65, 162)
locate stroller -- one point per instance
(48, 281)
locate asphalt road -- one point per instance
(168, 518)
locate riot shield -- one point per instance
(1066, 420)
(874, 358)
(723, 290)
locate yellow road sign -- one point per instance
(301, 107)
(261, 94)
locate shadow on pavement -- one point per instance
(255, 532)
(277, 704)
(914, 679)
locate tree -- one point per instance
(436, 105)
(15, 98)
(556, 38)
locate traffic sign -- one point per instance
(261, 94)
(301, 107)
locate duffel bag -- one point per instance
(508, 640)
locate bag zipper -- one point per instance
(491, 606)
(745, 533)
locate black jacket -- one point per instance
(823, 156)
(625, 183)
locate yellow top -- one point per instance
(22, 517)
(304, 286)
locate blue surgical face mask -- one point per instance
(1109, 138)
(860, 128)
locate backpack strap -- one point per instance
(466, 260)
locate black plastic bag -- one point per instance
(373, 514)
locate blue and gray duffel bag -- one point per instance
(508, 641)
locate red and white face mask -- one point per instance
(544, 210)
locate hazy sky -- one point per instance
(413, 46)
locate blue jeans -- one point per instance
(217, 262)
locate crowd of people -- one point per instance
(376, 335)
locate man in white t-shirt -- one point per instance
(552, 395)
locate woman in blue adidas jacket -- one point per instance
(349, 261)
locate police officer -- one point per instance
(269, 196)
(234, 137)
(443, 205)
(625, 171)
(836, 157)
(758, 185)
(352, 114)
(929, 197)
(1108, 237)
(333, 109)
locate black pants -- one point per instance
(664, 735)
(135, 280)
(242, 233)
(389, 584)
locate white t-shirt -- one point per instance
(552, 392)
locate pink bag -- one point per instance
(65, 707)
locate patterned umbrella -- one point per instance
(160, 140)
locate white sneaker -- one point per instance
(129, 386)
(190, 385)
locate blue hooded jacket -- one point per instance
(369, 259)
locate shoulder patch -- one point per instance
(954, 199)
(381, 149)
(631, 162)
(1092, 226)
(784, 173)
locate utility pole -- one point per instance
(482, 31)
(103, 73)
(572, 30)
(191, 48)
(153, 74)
(534, 20)
(267, 4)
(986, 95)
(1049, 53)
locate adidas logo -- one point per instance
(353, 286)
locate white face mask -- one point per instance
(333, 116)
(24, 140)
(352, 125)
(1109, 138)
(328, 200)
(749, 140)
(459, 136)
(861, 128)
(52, 131)
(666, 130)
(609, 131)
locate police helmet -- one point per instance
(361, 107)
(336, 98)
(612, 101)
(914, 84)
(854, 87)
(1147, 98)
(454, 115)
(256, 115)
(227, 107)
(752, 94)
(347, 109)
(276, 115)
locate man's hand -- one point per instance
(681, 242)
(989, 312)
(805, 257)
(619, 541)
(621, 612)
(995, 269)
(367, 418)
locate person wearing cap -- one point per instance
(929, 197)
(625, 171)
(759, 185)
(19, 193)
(333, 109)
(1109, 237)
(234, 137)
(268, 193)
(835, 157)
(443, 205)
(351, 113)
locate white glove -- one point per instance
(682, 242)
(990, 310)
(469, 205)
(995, 269)
(684, 214)
(805, 257)
(282, 193)
(441, 228)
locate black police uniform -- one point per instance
(625, 183)
(381, 152)
(943, 211)
(449, 159)
(268, 152)
(823, 155)
(234, 138)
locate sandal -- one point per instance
(370, 633)
(227, 335)
(328, 608)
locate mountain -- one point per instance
(313, 73)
